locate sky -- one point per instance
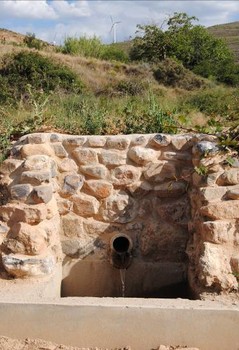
(54, 20)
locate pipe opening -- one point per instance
(121, 244)
(120, 254)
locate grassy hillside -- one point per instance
(229, 32)
(43, 90)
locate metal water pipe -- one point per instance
(121, 247)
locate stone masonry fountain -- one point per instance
(138, 216)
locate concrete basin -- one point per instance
(116, 322)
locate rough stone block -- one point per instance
(160, 171)
(160, 140)
(10, 165)
(233, 193)
(99, 188)
(56, 137)
(37, 162)
(139, 140)
(140, 188)
(51, 208)
(120, 208)
(235, 265)
(59, 150)
(96, 141)
(3, 228)
(14, 246)
(97, 171)
(33, 238)
(31, 214)
(78, 248)
(22, 265)
(85, 156)
(125, 175)
(94, 227)
(42, 194)
(213, 160)
(214, 270)
(68, 165)
(64, 206)
(205, 148)
(20, 192)
(52, 227)
(229, 177)
(74, 141)
(219, 231)
(221, 210)
(142, 156)
(38, 138)
(36, 149)
(112, 158)
(72, 184)
(211, 194)
(36, 177)
(118, 142)
(72, 225)
(182, 142)
(85, 205)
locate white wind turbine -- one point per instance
(114, 29)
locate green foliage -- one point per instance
(114, 53)
(150, 45)
(216, 101)
(32, 42)
(6, 129)
(192, 45)
(130, 87)
(201, 170)
(24, 68)
(172, 73)
(88, 47)
(180, 21)
(149, 118)
(93, 47)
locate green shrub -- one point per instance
(172, 73)
(130, 87)
(114, 53)
(87, 47)
(30, 68)
(93, 47)
(217, 101)
(32, 42)
(148, 117)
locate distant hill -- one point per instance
(229, 32)
(10, 37)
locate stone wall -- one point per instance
(64, 197)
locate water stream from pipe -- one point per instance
(122, 278)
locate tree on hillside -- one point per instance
(191, 44)
(150, 44)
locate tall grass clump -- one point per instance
(87, 47)
(93, 47)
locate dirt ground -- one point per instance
(39, 344)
